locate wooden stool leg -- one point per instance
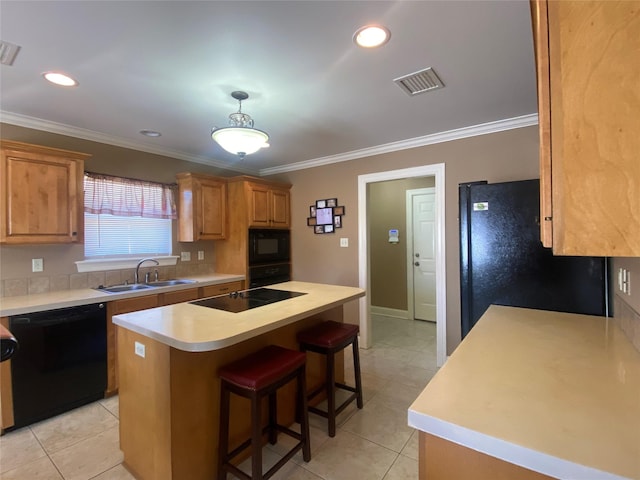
(273, 418)
(304, 415)
(256, 437)
(223, 434)
(331, 393)
(356, 370)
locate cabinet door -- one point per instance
(594, 100)
(41, 198)
(118, 307)
(280, 213)
(258, 205)
(213, 208)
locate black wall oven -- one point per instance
(269, 246)
(269, 257)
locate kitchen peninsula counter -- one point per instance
(533, 394)
(168, 360)
(194, 328)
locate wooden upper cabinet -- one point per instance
(589, 103)
(42, 194)
(203, 207)
(269, 205)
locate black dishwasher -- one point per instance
(61, 362)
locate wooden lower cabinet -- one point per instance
(6, 394)
(440, 459)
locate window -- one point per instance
(127, 217)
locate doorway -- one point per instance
(421, 254)
(437, 171)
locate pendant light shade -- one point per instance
(240, 138)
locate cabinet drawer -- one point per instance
(133, 304)
(220, 289)
(179, 296)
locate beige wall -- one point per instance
(498, 157)
(388, 269)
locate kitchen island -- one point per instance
(169, 390)
(532, 394)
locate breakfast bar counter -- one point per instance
(532, 394)
(168, 359)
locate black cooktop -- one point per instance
(240, 301)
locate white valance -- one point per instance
(104, 194)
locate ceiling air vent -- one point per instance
(8, 52)
(419, 82)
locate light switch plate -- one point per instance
(200, 254)
(37, 265)
(185, 256)
(344, 242)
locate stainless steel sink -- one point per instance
(125, 288)
(169, 283)
(144, 286)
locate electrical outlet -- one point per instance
(344, 242)
(185, 256)
(139, 349)
(37, 265)
(200, 254)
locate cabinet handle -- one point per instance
(74, 233)
(548, 219)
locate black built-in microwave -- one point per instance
(269, 246)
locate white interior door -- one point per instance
(424, 256)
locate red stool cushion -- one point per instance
(328, 334)
(262, 368)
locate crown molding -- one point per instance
(457, 134)
(75, 132)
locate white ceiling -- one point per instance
(170, 66)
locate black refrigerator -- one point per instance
(503, 262)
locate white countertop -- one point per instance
(71, 298)
(195, 328)
(556, 393)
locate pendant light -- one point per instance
(240, 138)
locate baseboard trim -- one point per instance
(389, 312)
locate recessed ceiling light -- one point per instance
(371, 36)
(60, 79)
(150, 133)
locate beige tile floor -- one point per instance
(374, 443)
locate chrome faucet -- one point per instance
(137, 274)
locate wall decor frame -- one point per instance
(325, 216)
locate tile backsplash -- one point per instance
(32, 285)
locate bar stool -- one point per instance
(329, 338)
(254, 377)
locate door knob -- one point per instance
(417, 264)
